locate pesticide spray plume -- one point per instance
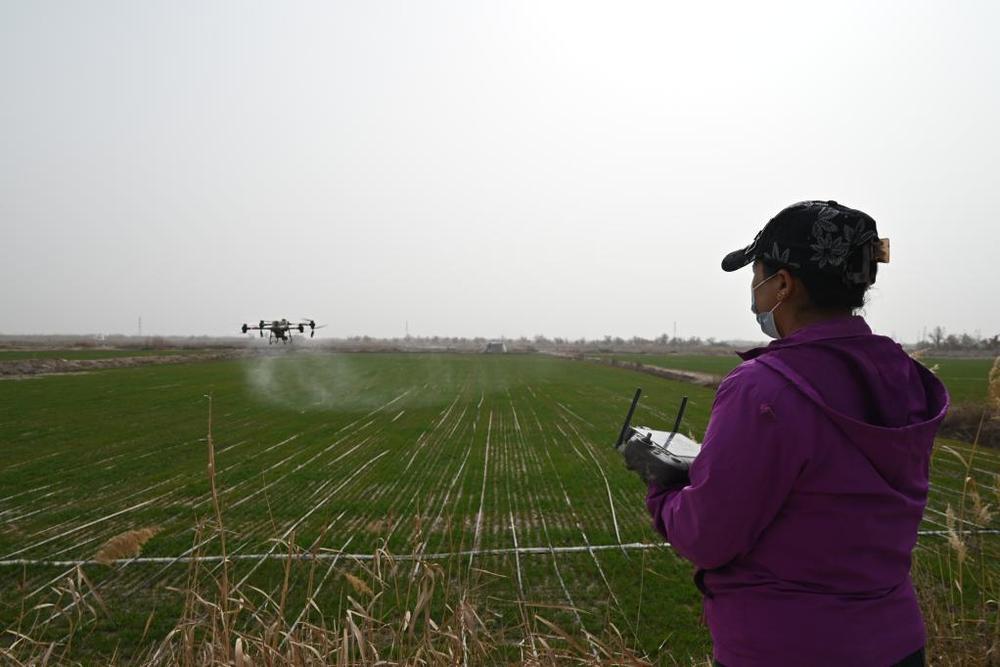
(304, 380)
(318, 381)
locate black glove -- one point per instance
(655, 464)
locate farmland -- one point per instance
(80, 353)
(966, 379)
(469, 461)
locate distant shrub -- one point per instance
(965, 420)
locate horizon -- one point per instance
(662, 340)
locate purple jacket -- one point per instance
(805, 499)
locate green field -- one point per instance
(82, 353)
(424, 454)
(715, 364)
(966, 379)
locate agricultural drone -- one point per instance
(282, 329)
(658, 456)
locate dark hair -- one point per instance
(826, 291)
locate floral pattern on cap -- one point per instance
(834, 239)
(779, 256)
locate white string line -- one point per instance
(442, 555)
(332, 554)
(482, 492)
(964, 531)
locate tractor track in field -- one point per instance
(701, 379)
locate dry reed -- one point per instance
(124, 545)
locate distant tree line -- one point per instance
(939, 339)
(538, 343)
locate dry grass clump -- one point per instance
(442, 624)
(972, 422)
(124, 545)
(394, 612)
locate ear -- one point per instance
(787, 285)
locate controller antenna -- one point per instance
(680, 415)
(628, 418)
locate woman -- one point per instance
(802, 508)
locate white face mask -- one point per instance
(765, 320)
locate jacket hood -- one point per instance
(885, 402)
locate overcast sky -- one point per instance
(483, 168)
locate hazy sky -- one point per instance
(483, 168)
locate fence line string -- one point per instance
(471, 553)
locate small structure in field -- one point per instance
(495, 347)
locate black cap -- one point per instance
(819, 236)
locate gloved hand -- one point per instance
(654, 464)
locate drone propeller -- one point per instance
(244, 327)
